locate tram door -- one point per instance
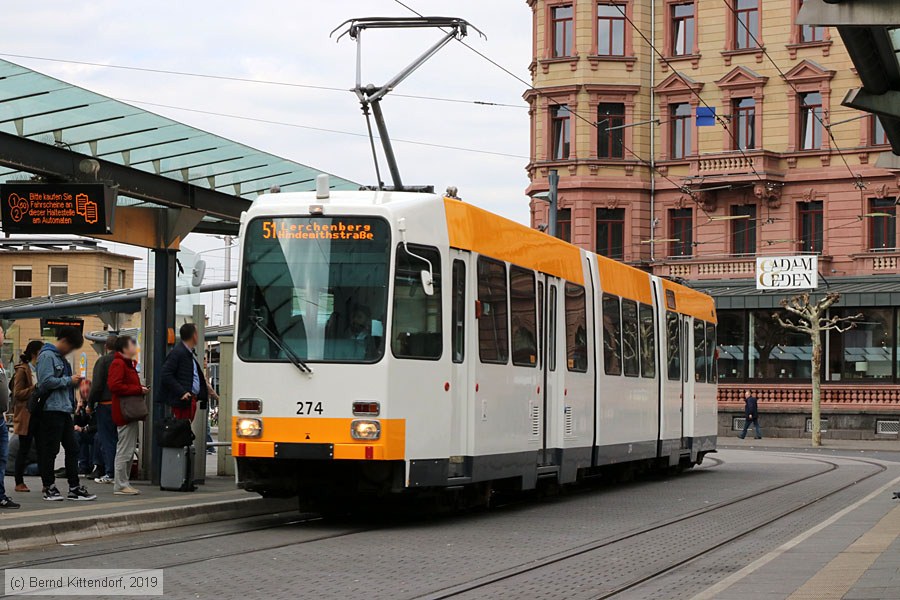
(548, 300)
(462, 303)
(687, 369)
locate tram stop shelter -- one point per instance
(169, 179)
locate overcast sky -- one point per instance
(289, 42)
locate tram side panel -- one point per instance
(627, 379)
(670, 344)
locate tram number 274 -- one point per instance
(308, 408)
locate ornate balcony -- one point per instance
(885, 262)
(706, 268)
(734, 163)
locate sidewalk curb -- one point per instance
(34, 535)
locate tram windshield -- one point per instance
(319, 285)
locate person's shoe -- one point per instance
(896, 496)
(21, 487)
(7, 502)
(104, 479)
(95, 474)
(52, 494)
(80, 493)
(741, 437)
(127, 491)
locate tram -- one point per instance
(393, 342)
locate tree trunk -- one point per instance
(816, 384)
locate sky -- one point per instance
(289, 42)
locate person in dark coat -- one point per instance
(183, 382)
(100, 404)
(751, 415)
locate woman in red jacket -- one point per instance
(124, 381)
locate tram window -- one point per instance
(647, 325)
(458, 311)
(522, 318)
(541, 323)
(699, 351)
(612, 335)
(416, 327)
(673, 346)
(551, 331)
(576, 329)
(711, 353)
(493, 328)
(630, 348)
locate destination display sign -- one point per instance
(787, 272)
(57, 208)
(332, 229)
(51, 325)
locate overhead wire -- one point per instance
(233, 78)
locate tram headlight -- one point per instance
(249, 428)
(364, 429)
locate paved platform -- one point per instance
(41, 523)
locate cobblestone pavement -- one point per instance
(663, 538)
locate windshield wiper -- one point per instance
(295, 360)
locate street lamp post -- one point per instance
(550, 198)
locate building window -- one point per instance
(680, 124)
(611, 30)
(811, 121)
(810, 215)
(681, 224)
(22, 282)
(562, 18)
(882, 224)
(879, 136)
(743, 229)
(746, 24)
(866, 351)
(560, 132)
(810, 33)
(611, 232)
(107, 278)
(743, 114)
(682, 29)
(121, 279)
(564, 224)
(731, 337)
(59, 280)
(776, 352)
(610, 144)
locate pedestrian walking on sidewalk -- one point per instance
(751, 415)
(124, 382)
(56, 387)
(5, 501)
(100, 402)
(183, 382)
(23, 387)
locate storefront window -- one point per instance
(731, 336)
(775, 352)
(866, 351)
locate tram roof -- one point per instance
(42, 119)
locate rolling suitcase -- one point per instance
(177, 472)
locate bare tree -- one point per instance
(813, 319)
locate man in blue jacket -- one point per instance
(751, 415)
(183, 381)
(56, 386)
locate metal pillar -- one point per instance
(386, 143)
(553, 180)
(225, 464)
(163, 318)
(200, 419)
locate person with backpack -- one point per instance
(56, 403)
(22, 390)
(125, 384)
(5, 501)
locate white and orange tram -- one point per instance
(395, 341)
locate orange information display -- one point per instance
(56, 208)
(334, 229)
